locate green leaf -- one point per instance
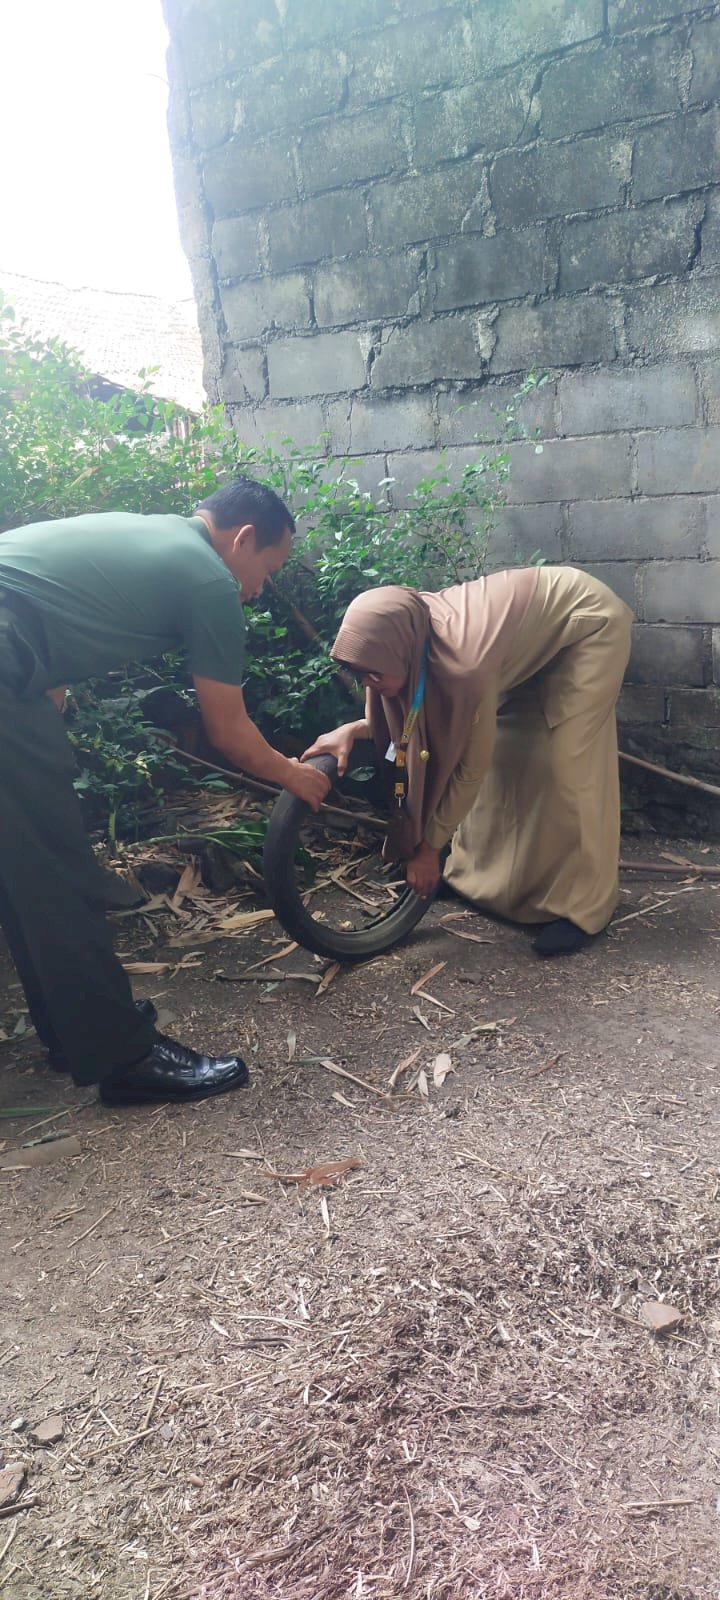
(8, 1113)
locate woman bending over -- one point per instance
(494, 702)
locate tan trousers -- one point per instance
(542, 838)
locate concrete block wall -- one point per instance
(395, 209)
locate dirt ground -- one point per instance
(431, 1378)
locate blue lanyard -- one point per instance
(400, 789)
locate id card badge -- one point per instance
(390, 753)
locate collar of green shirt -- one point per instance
(201, 527)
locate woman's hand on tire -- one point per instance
(308, 784)
(423, 870)
(337, 743)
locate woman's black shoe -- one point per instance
(561, 938)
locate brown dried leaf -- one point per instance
(141, 967)
(441, 1066)
(320, 1177)
(279, 955)
(327, 978)
(427, 976)
(342, 1072)
(328, 1172)
(402, 1066)
(244, 919)
(433, 1001)
(422, 1084)
(188, 883)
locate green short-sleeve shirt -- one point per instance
(95, 592)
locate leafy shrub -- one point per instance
(64, 451)
(122, 758)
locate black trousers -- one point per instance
(51, 909)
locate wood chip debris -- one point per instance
(552, 1061)
(646, 1507)
(481, 1027)
(11, 1511)
(215, 922)
(341, 1072)
(646, 911)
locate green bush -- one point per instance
(123, 760)
(64, 451)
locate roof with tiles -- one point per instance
(117, 334)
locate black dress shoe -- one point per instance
(172, 1071)
(146, 1008)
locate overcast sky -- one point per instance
(86, 193)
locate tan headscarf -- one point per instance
(468, 630)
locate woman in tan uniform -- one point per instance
(495, 703)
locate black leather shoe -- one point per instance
(146, 1009)
(172, 1071)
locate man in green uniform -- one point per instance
(79, 597)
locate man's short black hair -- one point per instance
(243, 500)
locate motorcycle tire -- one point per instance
(287, 895)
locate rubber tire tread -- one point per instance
(285, 896)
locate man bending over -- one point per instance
(78, 598)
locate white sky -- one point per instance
(86, 192)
